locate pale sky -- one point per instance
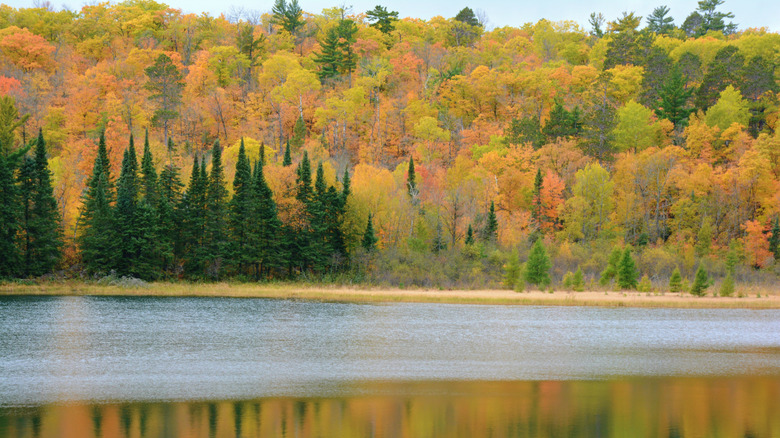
(752, 13)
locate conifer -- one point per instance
(369, 239)
(411, 180)
(577, 281)
(9, 218)
(612, 267)
(490, 232)
(287, 161)
(512, 270)
(727, 287)
(469, 236)
(215, 231)
(627, 273)
(271, 253)
(675, 281)
(700, 282)
(125, 214)
(537, 268)
(243, 240)
(774, 239)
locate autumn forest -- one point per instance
(362, 147)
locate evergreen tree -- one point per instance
(243, 240)
(287, 161)
(774, 239)
(700, 282)
(98, 237)
(537, 268)
(490, 232)
(125, 214)
(9, 217)
(438, 244)
(369, 239)
(382, 19)
(166, 84)
(272, 253)
(673, 104)
(578, 282)
(337, 55)
(512, 270)
(469, 236)
(215, 230)
(171, 223)
(148, 174)
(193, 213)
(536, 206)
(612, 267)
(288, 16)
(411, 180)
(525, 130)
(727, 287)
(627, 273)
(675, 281)
(659, 22)
(42, 232)
(299, 133)
(562, 123)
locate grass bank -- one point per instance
(765, 300)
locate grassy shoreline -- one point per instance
(368, 294)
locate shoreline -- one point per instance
(368, 294)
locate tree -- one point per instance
(756, 244)
(674, 96)
(512, 270)
(125, 214)
(537, 268)
(287, 160)
(272, 254)
(596, 22)
(166, 85)
(675, 281)
(243, 244)
(215, 238)
(692, 24)
(337, 55)
(369, 239)
(627, 273)
(411, 181)
(727, 287)
(382, 19)
(611, 271)
(724, 70)
(288, 16)
(469, 236)
(41, 233)
(9, 217)
(730, 108)
(490, 231)
(588, 211)
(700, 282)
(714, 20)
(600, 121)
(466, 27)
(9, 121)
(577, 281)
(659, 22)
(774, 239)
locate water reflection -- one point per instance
(657, 407)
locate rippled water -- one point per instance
(115, 358)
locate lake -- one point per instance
(95, 366)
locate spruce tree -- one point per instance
(612, 267)
(125, 215)
(369, 238)
(9, 217)
(272, 254)
(774, 239)
(42, 232)
(193, 214)
(411, 180)
(537, 268)
(172, 223)
(148, 187)
(675, 281)
(512, 270)
(727, 287)
(243, 240)
(287, 161)
(299, 133)
(438, 244)
(469, 236)
(490, 232)
(215, 230)
(536, 208)
(578, 282)
(627, 273)
(700, 282)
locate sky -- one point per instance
(752, 13)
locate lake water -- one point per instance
(87, 366)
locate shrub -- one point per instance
(675, 281)
(644, 284)
(700, 282)
(577, 282)
(727, 287)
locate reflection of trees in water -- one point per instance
(633, 407)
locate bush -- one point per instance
(644, 284)
(567, 279)
(578, 282)
(511, 271)
(612, 267)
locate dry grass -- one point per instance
(756, 300)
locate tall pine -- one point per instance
(215, 229)
(271, 254)
(243, 237)
(9, 217)
(126, 206)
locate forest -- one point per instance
(360, 147)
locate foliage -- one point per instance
(727, 286)
(537, 268)
(627, 273)
(701, 282)
(675, 281)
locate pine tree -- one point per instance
(42, 232)
(369, 239)
(272, 253)
(411, 180)
(9, 217)
(537, 268)
(243, 240)
(536, 208)
(490, 232)
(675, 281)
(577, 281)
(512, 271)
(125, 214)
(700, 282)
(727, 287)
(469, 236)
(215, 232)
(148, 174)
(98, 237)
(673, 104)
(627, 273)
(193, 213)
(438, 244)
(299, 133)
(287, 161)
(612, 267)
(774, 239)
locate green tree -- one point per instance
(337, 55)
(166, 85)
(525, 130)
(599, 121)
(243, 251)
(9, 217)
(382, 19)
(577, 281)
(562, 123)
(288, 16)
(41, 230)
(411, 180)
(774, 239)
(125, 211)
(730, 108)
(673, 100)
(700, 282)
(299, 133)
(512, 270)
(287, 160)
(725, 69)
(272, 254)
(192, 211)
(469, 236)
(490, 231)
(466, 27)
(215, 229)
(714, 20)
(635, 129)
(659, 22)
(727, 287)
(596, 22)
(627, 273)
(438, 244)
(10, 120)
(611, 271)
(536, 202)
(675, 281)
(369, 238)
(537, 268)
